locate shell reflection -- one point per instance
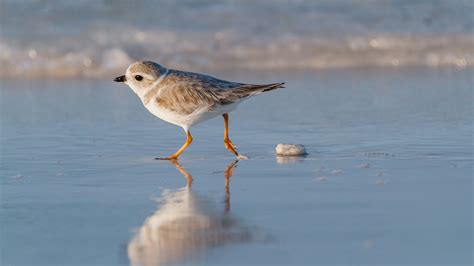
(187, 223)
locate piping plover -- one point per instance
(186, 98)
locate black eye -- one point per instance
(138, 77)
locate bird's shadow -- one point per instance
(186, 223)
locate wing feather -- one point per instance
(186, 92)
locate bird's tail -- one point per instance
(244, 91)
(250, 90)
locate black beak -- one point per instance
(120, 79)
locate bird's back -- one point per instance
(193, 90)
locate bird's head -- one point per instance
(141, 76)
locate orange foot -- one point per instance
(168, 158)
(230, 146)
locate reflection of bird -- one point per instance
(187, 223)
(185, 98)
(229, 171)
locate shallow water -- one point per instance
(95, 38)
(388, 178)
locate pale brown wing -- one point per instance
(186, 92)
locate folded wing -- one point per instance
(185, 92)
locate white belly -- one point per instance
(187, 121)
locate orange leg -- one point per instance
(227, 142)
(189, 139)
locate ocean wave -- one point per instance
(95, 39)
(222, 51)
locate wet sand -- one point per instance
(387, 178)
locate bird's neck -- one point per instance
(147, 96)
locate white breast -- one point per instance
(165, 114)
(186, 121)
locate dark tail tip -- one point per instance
(274, 86)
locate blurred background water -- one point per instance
(91, 38)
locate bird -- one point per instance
(186, 98)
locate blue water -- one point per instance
(59, 39)
(388, 178)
